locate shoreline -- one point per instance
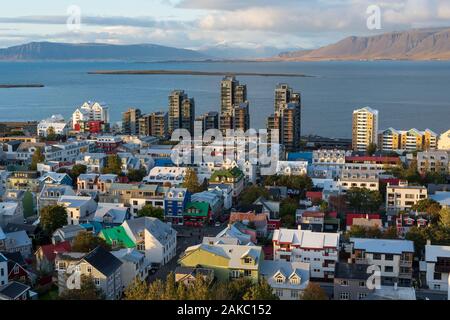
(12, 86)
(195, 73)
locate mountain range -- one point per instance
(417, 44)
(93, 51)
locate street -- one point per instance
(187, 236)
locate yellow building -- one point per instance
(364, 128)
(410, 140)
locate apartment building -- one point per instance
(437, 261)
(130, 121)
(393, 257)
(90, 111)
(166, 175)
(320, 250)
(359, 176)
(365, 128)
(207, 121)
(241, 116)
(68, 151)
(55, 124)
(292, 168)
(154, 124)
(433, 161)
(350, 281)
(444, 141)
(404, 196)
(78, 208)
(135, 196)
(181, 112)
(409, 140)
(23, 180)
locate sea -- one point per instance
(408, 94)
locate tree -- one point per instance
(37, 157)
(444, 217)
(260, 291)
(136, 175)
(52, 218)
(390, 233)
(252, 193)
(77, 170)
(51, 135)
(113, 165)
(191, 181)
(86, 242)
(419, 237)
(314, 292)
(138, 290)
(88, 291)
(150, 211)
(364, 200)
(28, 204)
(371, 149)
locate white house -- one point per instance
(78, 208)
(3, 269)
(90, 111)
(437, 259)
(133, 266)
(173, 175)
(292, 168)
(319, 249)
(55, 122)
(157, 240)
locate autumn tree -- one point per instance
(37, 157)
(314, 292)
(260, 291)
(252, 193)
(52, 218)
(191, 181)
(86, 242)
(371, 149)
(444, 217)
(88, 291)
(150, 211)
(113, 165)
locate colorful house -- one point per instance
(175, 203)
(196, 214)
(117, 238)
(233, 177)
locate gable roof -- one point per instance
(51, 250)
(103, 261)
(13, 290)
(119, 235)
(202, 209)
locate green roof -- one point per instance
(200, 209)
(118, 235)
(230, 173)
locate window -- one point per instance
(247, 273)
(437, 276)
(294, 294)
(376, 256)
(97, 281)
(362, 296)
(437, 287)
(389, 257)
(235, 274)
(344, 296)
(279, 279)
(362, 284)
(16, 269)
(388, 269)
(89, 269)
(248, 260)
(279, 292)
(344, 283)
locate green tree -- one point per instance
(28, 205)
(36, 158)
(113, 165)
(51, 135)
(88, 291)
(150, 211)
(252, 193)
(364, 200)
(138, 290)
(86, 242)
(52, 218)
(314, 292)
(390, 233)
(260, 291)
(371, 149)
(191, 181)
(419, 237)
(77, 170)
(136, 175)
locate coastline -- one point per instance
(12, 86)
(195, 73)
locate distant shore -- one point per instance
(195, 73)
(10, 86)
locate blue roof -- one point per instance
(164, 162)
(299, 156)
(96, 226)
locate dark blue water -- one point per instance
(407, 94)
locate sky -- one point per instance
(203, 24)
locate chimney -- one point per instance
(428, 242)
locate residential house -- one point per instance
(319, 249)
(310, 220)
(56, 179)
(196, 214)
(100, 265)
(404, 196)
(3, 270)
(15, 291)
(133, 266)
(45, 256)
(10, 212)
(287, 279)
(17, 242)
(175, 203)
(17, 268)
(258, 222)
(23, 180)
(227, 194)
(174, 176)
(233, 177)
(228, 262)
(78, 208)
(68, 151)
(156, 239)
(66, 233)
(94, 162)
(363, 220)
(110, 214)
(51, 193)
(213, 198)
(437, 259)
(351, 281)
(292, 168)
(187, 275)
(393, 257)
(433, 161)
(235, 233)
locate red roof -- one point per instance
(314, 194)
(351, 216)
(313, 214)
(51, 250)
(332, 214)
(391, 181)
(376, 159)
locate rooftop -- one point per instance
(383, 245)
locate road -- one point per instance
(187, 236)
